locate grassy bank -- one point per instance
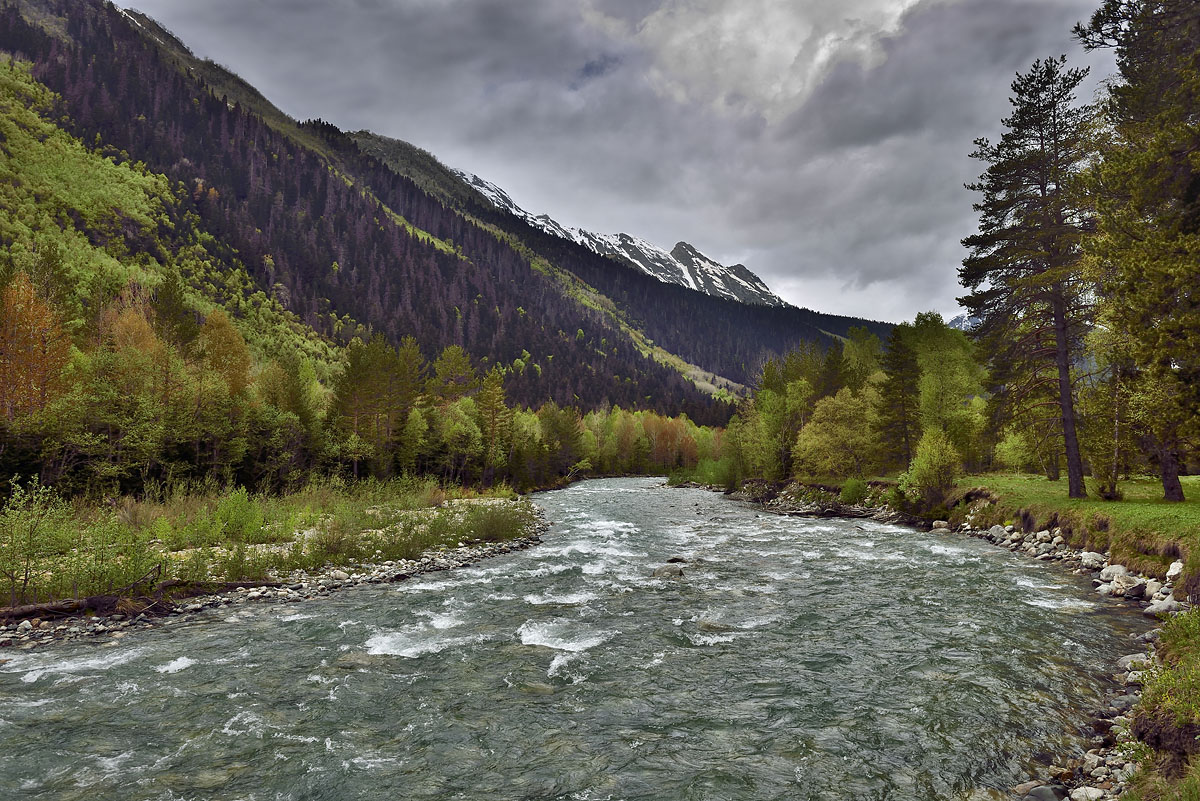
(53, 549)
(1144, 532)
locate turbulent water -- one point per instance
(797, 659)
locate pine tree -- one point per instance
(899, 397)
(453, 375)
(1147, 188)
(1024, 268)
(495, 422)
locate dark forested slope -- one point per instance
(320, 239)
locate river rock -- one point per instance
(941, 525)
(1046, 793)
(1138, 590)
(1087, 794)
(1123, 703)
(1153, 586)
(1133, 661)
(668, 571)
(1174, 571)
(1168, 604)
(25, 626)
(1092, 560)
(1112, 571)
(339, 575)
(997, 533)
(1124, 583)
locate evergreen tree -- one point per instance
(1147, 188)
(495, 422)
(899, 397)
(1024, 268)
(453, 375)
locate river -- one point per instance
(796, 659)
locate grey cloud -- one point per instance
(852, 202)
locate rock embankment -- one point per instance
(298, 586)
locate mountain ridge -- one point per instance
(683, 265)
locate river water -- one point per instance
(796, 659)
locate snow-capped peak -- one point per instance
(683, 265)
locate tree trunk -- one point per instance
(1052, 469)
(1168, 466)
(1066, 402)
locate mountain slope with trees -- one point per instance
(346, 255)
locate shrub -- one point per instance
(497, 522)
(240, 516)
(854, 491)
(34, 525)
(933, 470)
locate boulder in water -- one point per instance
(668, 571)
(1092, 560)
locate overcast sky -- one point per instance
(823, 143)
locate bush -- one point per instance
(240, 516)
(34, 525)
(854, 491)
(933, 471)
(492, 522)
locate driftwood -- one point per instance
(157, 600)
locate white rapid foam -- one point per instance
(560, 635)
(569, 598)
(176, 665)
(1058, 604)
(50, 665)
(410, 644)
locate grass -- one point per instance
(51, 549)
(1143, 531)
(1172, 696)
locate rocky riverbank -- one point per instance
(1104, 769)
(295, 587)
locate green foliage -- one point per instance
(1015, 451)
(839, 440)
(933, 470)
(854, 491)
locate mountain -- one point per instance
(724, 340)
(683, 265)
(355, 234)
(963, 322)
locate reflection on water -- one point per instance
(796, 659)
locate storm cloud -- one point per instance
(823, 144)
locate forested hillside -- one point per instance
(723, 336)
(348, 256)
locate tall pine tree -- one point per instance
(1024, 265)
(1147, 245)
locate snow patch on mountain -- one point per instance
(682, 265)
